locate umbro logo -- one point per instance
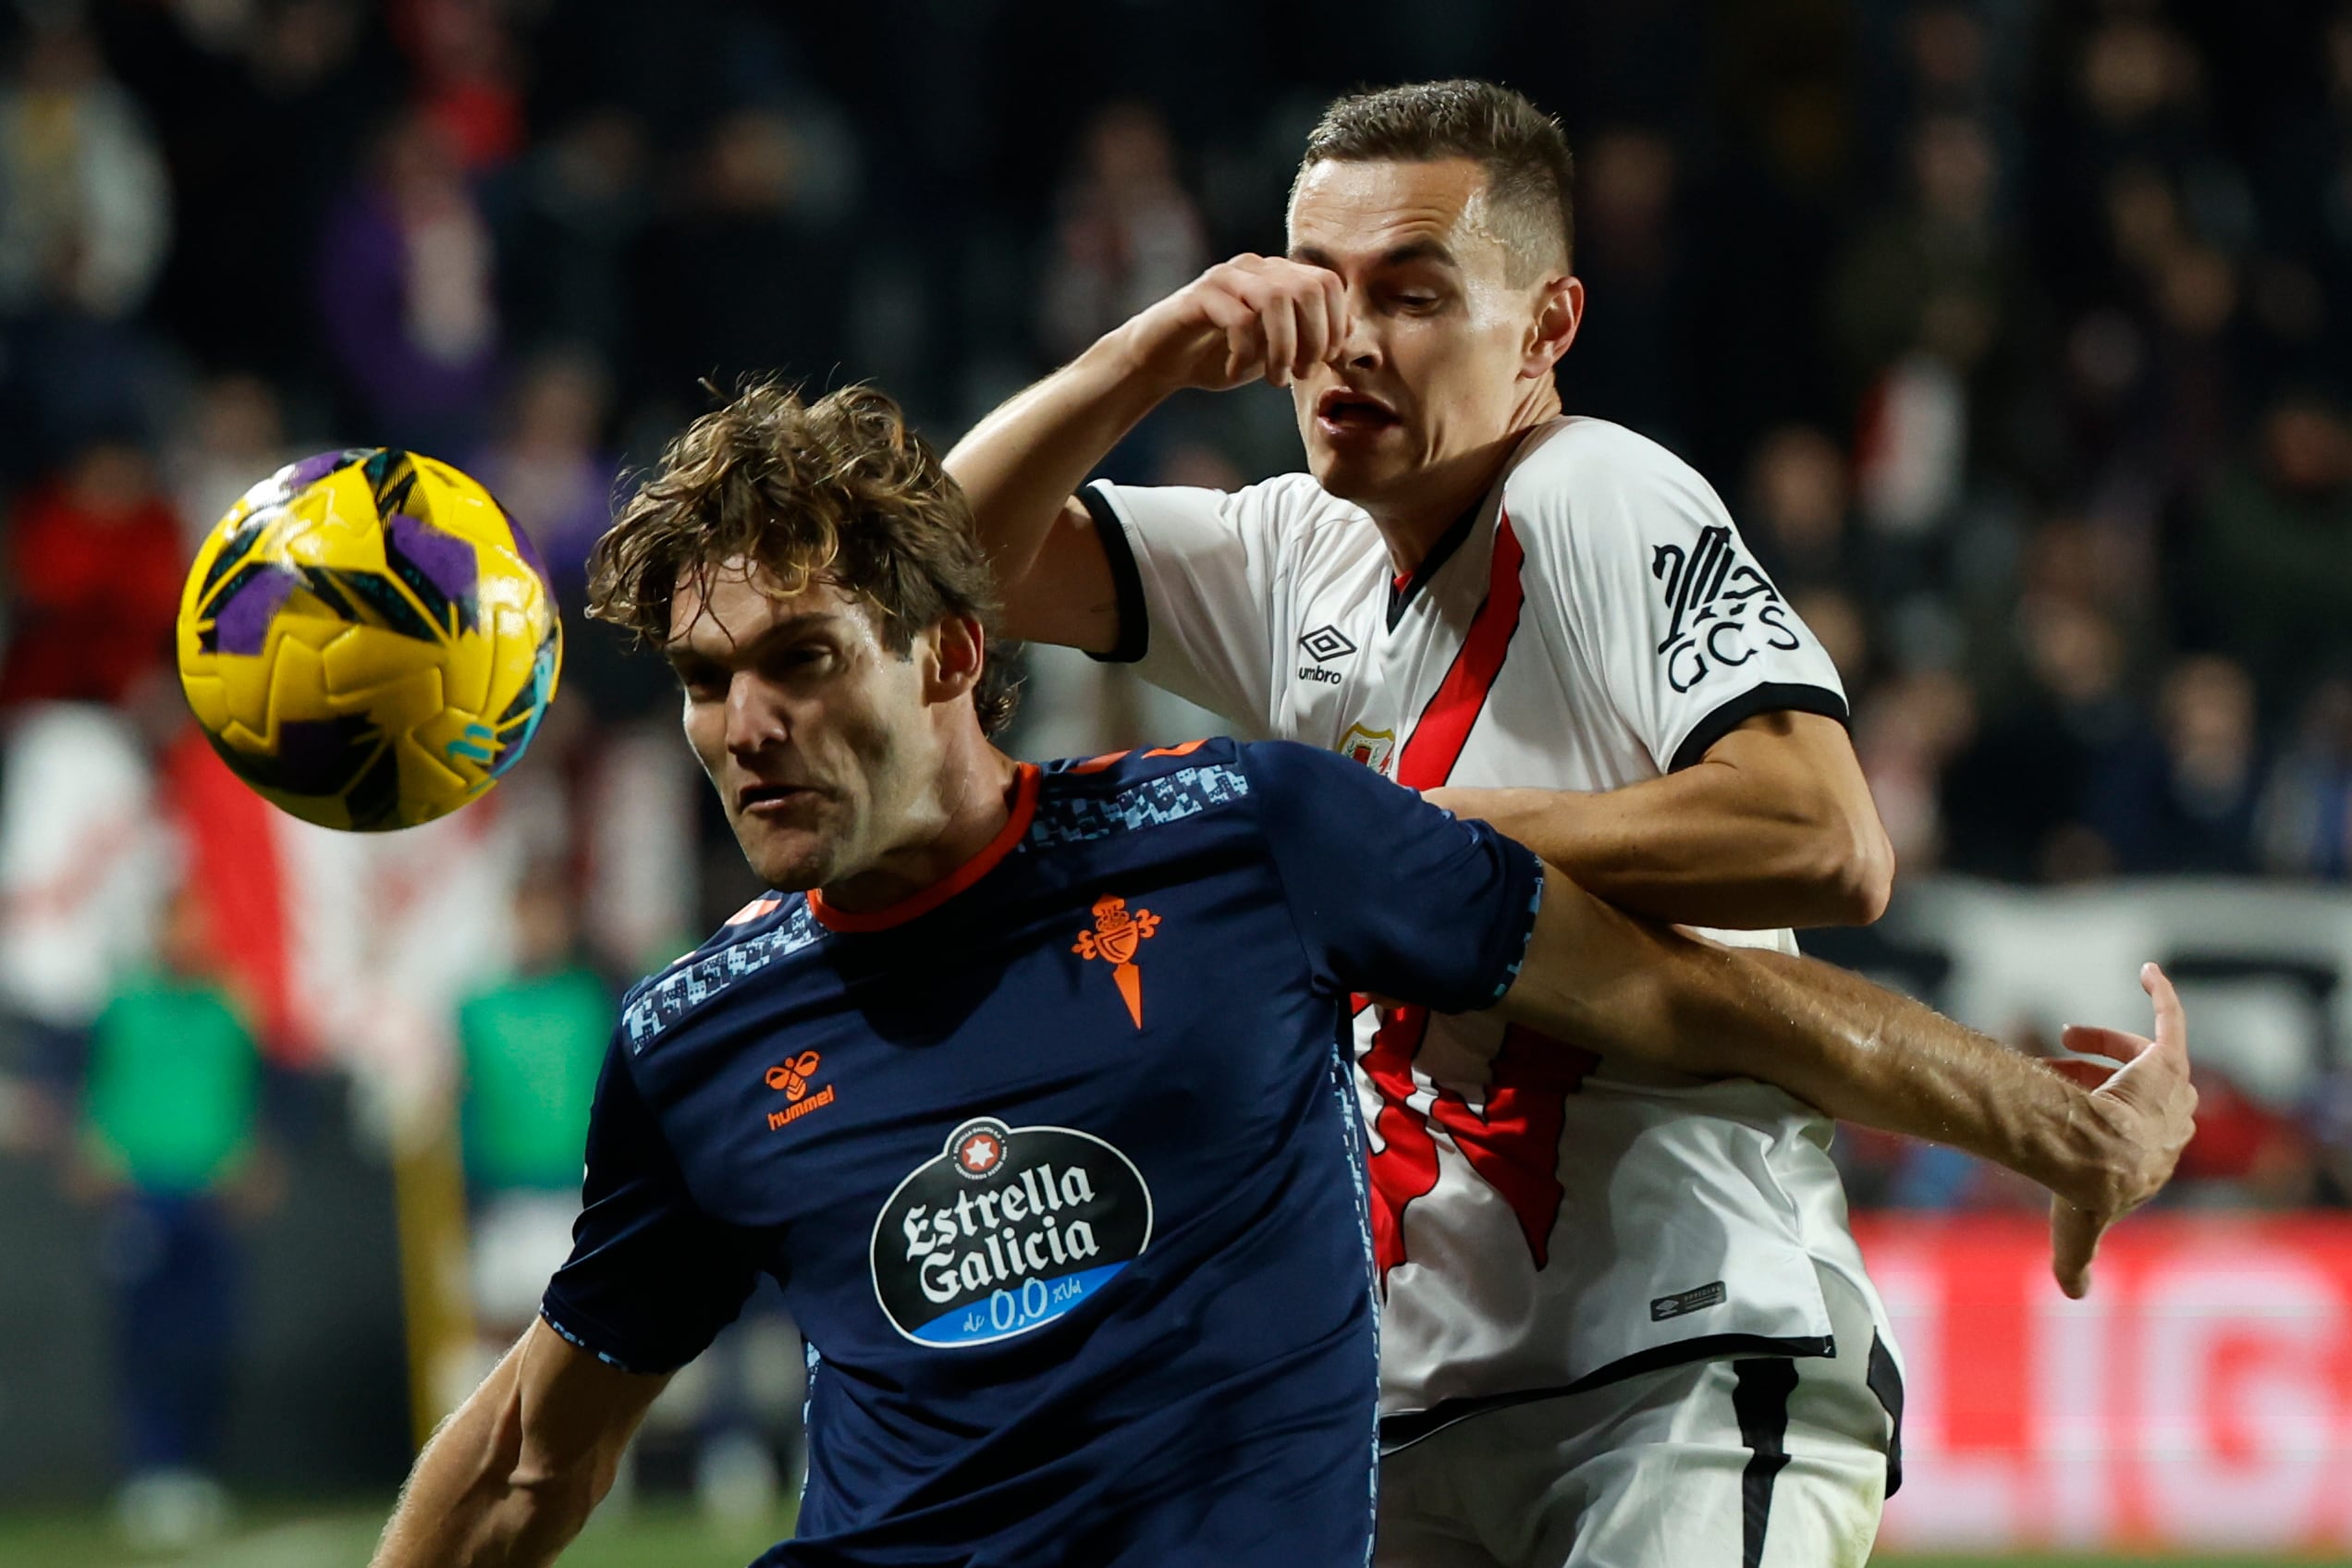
(1323, 644)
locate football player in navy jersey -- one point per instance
(1028, 1085)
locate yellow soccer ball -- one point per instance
(368, 638)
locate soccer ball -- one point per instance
(368, 640)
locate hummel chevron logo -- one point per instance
(1325, 643)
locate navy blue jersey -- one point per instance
(1058, 1163)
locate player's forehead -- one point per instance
(1357, 213)
(719, 608)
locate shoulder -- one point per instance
(1305, 789)
(764, 930)
(1283, 505)
(1084, 799)
(1584, 485)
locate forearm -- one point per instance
(1624, 987)
(1021, 464)
(1773, 826)
(1683, 847)
(469, 1502)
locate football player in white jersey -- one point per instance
(1626, 1321)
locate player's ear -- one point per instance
(1559, 309)
(958, 649)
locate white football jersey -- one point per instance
(1544, 1219)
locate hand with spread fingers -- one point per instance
(2141, 1115)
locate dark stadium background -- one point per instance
(2017, 333)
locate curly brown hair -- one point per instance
(841, 489)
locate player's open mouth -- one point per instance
(1342, 412)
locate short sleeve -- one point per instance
(1391, 895)
(1657, 594)
(651, 1280)
(1197, 574)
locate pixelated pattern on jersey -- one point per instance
(1154, 803)
(1511, 975)
(664, 1000)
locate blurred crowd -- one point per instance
(2017, 333)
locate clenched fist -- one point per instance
(1251, 317)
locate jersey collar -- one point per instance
(1405, 586)
(1024, 809)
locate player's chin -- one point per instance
(1357, 471)
(790, 858)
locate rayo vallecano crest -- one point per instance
(1373, 748)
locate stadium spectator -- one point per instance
(740, 277)
(2183, 801)
(580, 205)
(84, 212)
(2306, 818)
(234, 438)
(406, 295)
(529, 1048)
(95, 578)
(548, 468)
(1127, 233)
(2274, 559)
(85, 217)
(465, 75)
(1632, 359)
(1797, 513)
(2019, 800)
(171, 1144)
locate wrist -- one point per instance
(1121, 366)
(2078, 1153)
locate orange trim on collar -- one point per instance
(1025, 808)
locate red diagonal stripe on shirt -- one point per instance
(1428, 757)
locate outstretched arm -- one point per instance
(2102, 1141)
(1251, 317)
(508, 1480)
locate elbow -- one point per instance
(1854, 878)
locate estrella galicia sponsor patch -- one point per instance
(1005, 1230)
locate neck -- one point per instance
(1412, 524)
(968, 807)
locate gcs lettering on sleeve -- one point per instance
(1720, 611)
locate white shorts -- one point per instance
(1749, 1462)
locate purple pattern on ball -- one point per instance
(447, 561)
(243, 624)
(313, 469)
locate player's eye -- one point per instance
(702, 683)
(801, 658)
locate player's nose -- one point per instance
(756, 720)
(1358, 347)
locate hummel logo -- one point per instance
(1325, 643)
